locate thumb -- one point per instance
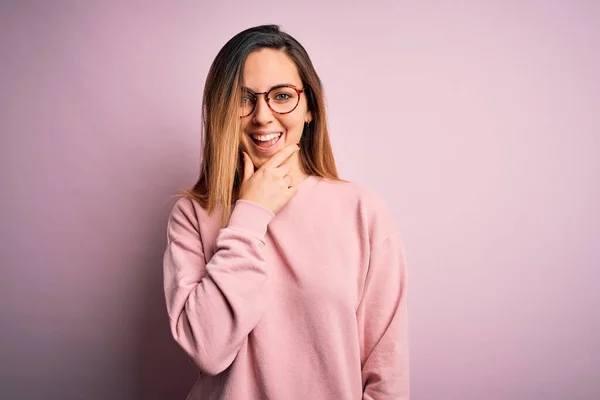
(248, 166)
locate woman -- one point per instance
(281, 280)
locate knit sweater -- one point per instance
(307, 304)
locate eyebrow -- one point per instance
(272, 87)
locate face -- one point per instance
(265, 69)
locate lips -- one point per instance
(273, 138)
(267, 146)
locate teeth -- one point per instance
(265, 138)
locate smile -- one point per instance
(266, 142)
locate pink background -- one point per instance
(477, 121)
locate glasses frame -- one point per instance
(268, 100)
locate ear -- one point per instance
(308, 117)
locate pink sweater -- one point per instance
(308, 304)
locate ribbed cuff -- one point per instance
(251, 217)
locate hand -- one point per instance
(270, 185)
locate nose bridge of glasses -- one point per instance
(263, 106)
(265, 95)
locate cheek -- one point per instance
(294, 125)
(244, 144)
(243, 135)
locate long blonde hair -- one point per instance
(221, 168)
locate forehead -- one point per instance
(267, 67)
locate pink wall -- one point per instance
(479, 123)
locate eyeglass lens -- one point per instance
(281, 100)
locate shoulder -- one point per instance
(370, 207)
(359, 194)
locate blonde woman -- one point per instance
(281, 280)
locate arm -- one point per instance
(382, 324)
(213, 306)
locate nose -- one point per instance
(262, 113)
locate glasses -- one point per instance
(281, 99)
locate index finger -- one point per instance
(282, 155)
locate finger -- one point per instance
(288, 180)
(283, 170)
(281, 156)
(291, 192)
(248, 166)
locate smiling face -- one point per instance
(263, 70)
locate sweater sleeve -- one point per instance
(382, 324)
(212, 306)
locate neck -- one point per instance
(297, 173)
